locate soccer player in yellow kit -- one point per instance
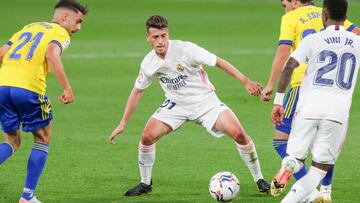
(301, 19)
(26, 59)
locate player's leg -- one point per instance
(153, 130)
(35, 116)
(326, 147)
(282, 132)
(325, 189)
(280, 143)
(167, 118)
(298, 146)
(228, 123)
(36, 161)
(11, 143)
(308, 183)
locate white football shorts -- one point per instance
(324, 138)
(205, 113)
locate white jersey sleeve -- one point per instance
(142, 81)
(144, 78)
(303, 51)
(199, 55)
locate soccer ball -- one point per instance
(224, 186)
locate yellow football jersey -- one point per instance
(24, 65)
(297, 24)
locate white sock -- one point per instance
(146, 162)
(305, 185)
(250, 157)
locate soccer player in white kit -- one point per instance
(190, 96)
(321, 117)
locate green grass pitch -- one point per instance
(102, 64)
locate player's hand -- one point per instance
(266, 94)
(253, 88)
(118, 130)
(67, 96)
(277, 115)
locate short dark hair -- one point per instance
(336, 9)
(72, 5)
(156, 21)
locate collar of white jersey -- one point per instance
(335, 27)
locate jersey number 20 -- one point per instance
(27, 36)
(335, 61)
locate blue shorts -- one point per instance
(21, 106)
(289, 106)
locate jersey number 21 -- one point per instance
(27, 36)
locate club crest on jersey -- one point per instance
(179, 67)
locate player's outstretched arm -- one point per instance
(252, 88)
(132, 102)
(282, 54)
(53, 58)
(277, 114)
(3, 50)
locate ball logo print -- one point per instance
(224, 186)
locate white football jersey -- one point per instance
(333, 57)
(181, 74)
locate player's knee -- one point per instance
(14, 140)
(148, 138)
(291, 162)
(239, 135)
(43, 135)
(15, 144)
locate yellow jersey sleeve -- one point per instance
(349, 26)
(287, 34)
(61, 38)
